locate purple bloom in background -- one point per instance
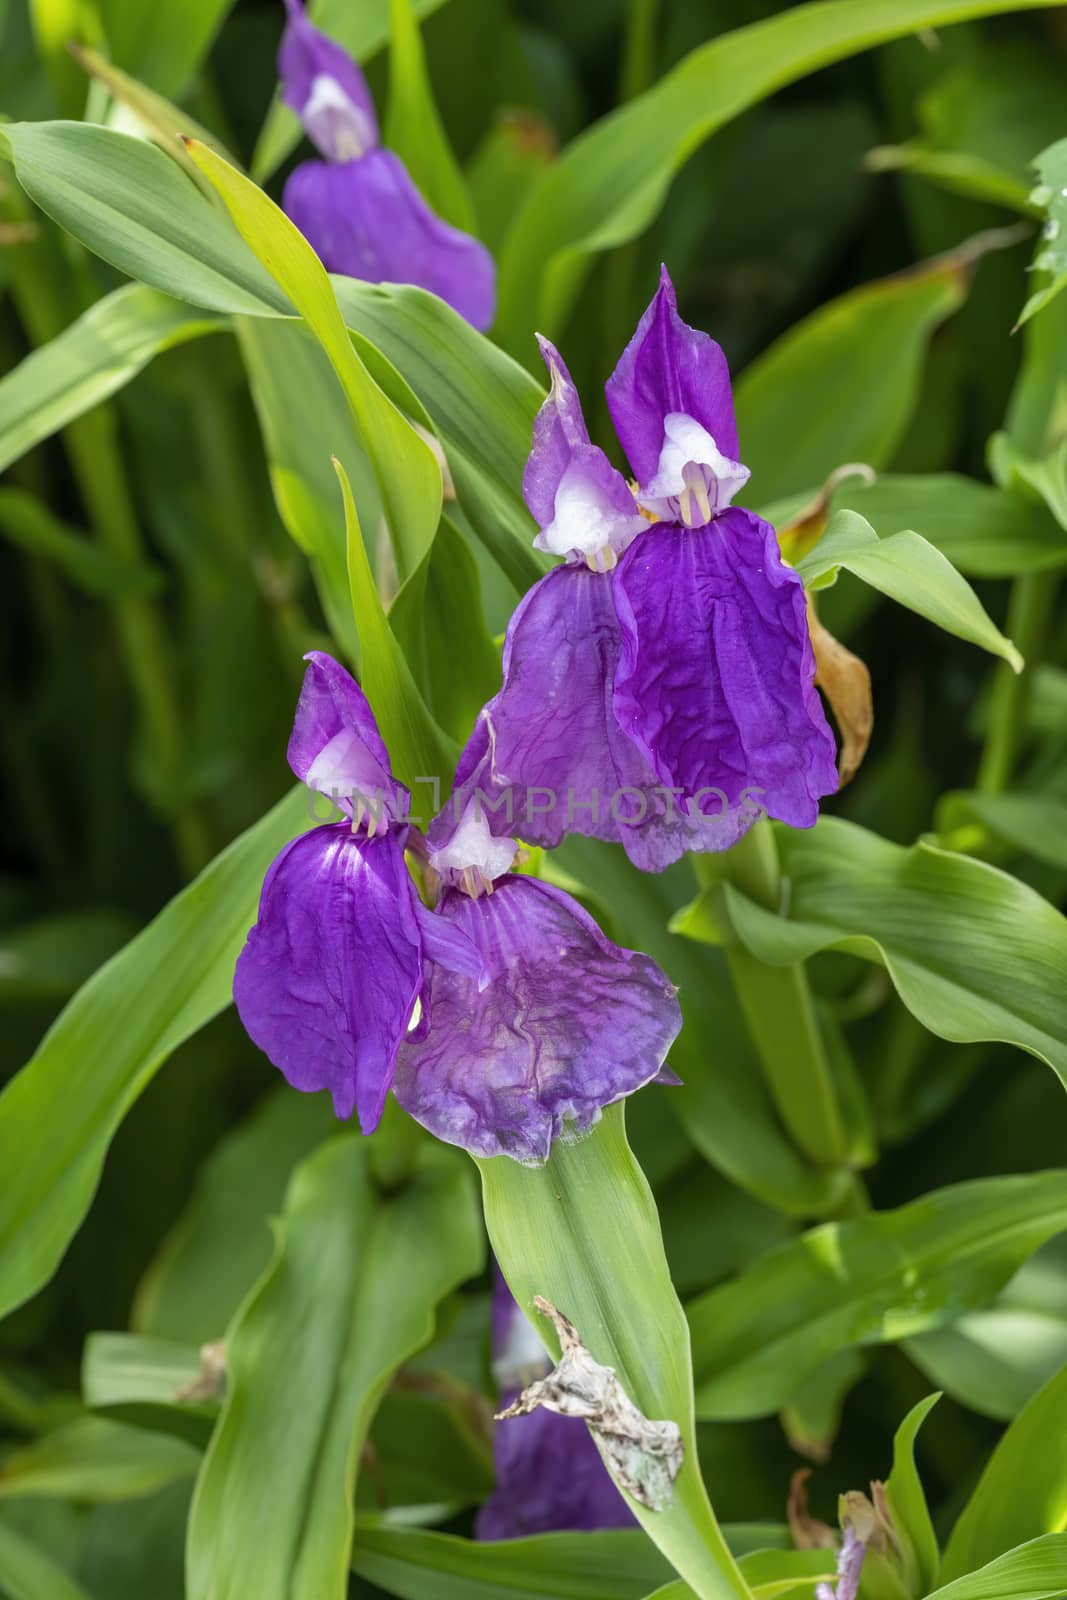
(329, 977)
(566, 1023)
(658, 688)
(501, 1020)
(549, 1475)
(359, 207)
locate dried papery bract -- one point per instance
(644, 1457)
(846, 683)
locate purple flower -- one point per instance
(850, 1559)
(657, 689)
(359, 207)
(566, 1023)
(330, 975)
(549, 1475)
(501, 1020)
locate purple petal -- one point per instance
(715, 680)
(669, 367)
(548, 757)
(449, 946)
(367, 219)
(549, 1478)
(568, 1024)
(336, 749)
(579, 501)
(330, 973)
(326, 89)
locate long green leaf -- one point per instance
(136, 208)
(973, 953)
(97, 1460)
(107, 346)
(1023, 1491)
(610, 183)
(875, 1280)
(28, 1573)
(409, 478)
(28, 523)
(866, 350)
(272, 1516)
(60, 1113)
(1033, 1571)
(165, 42)
(583, 1232)
(910, 571)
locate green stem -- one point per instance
(97, 466)
(1029, 609)
(640, 30)
(780, 1012)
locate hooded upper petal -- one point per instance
(671, 369)
(336, 749)
(549, 1475)
(715, 678)
(326, 89)
(367, 219)
(567, 1023)
(548, 756)
(581, 504)
(328, 978)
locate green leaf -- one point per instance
(420, 752)
(135, 207)
(995, 1359)
(1049, 197)
(305, 421)
(867, 350)
(98, 354)
(973, 953)
(1033, 1571)
(437, 618)
(96, 1460)
(1023, 1491)
(723, 1102)
(363, 30)
(418, 1565)
(28, 523)
(875, 1280)
(302, 1390)
(583, 1232)
(27, 1573)
(222, 1241)
(813, 1415)
(907, 1502)
(1035, 824)
(984, 532)
(612, 180)
(482, 405)
(163, 43)
(909, 570)
(413, 126)
(103, 1052)
(141, 1381)
(409, 478)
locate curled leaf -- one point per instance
(846, 683)
(644, 1457)
(808, 1533)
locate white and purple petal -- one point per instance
(336, 749)
(580, 502)
(567, 1024)
(548, 757)
(715, 679)
(328, 979)
(670, 369)
(326, 89)
(366, 219)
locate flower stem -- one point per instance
(780, 1012)
(1029, 609)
